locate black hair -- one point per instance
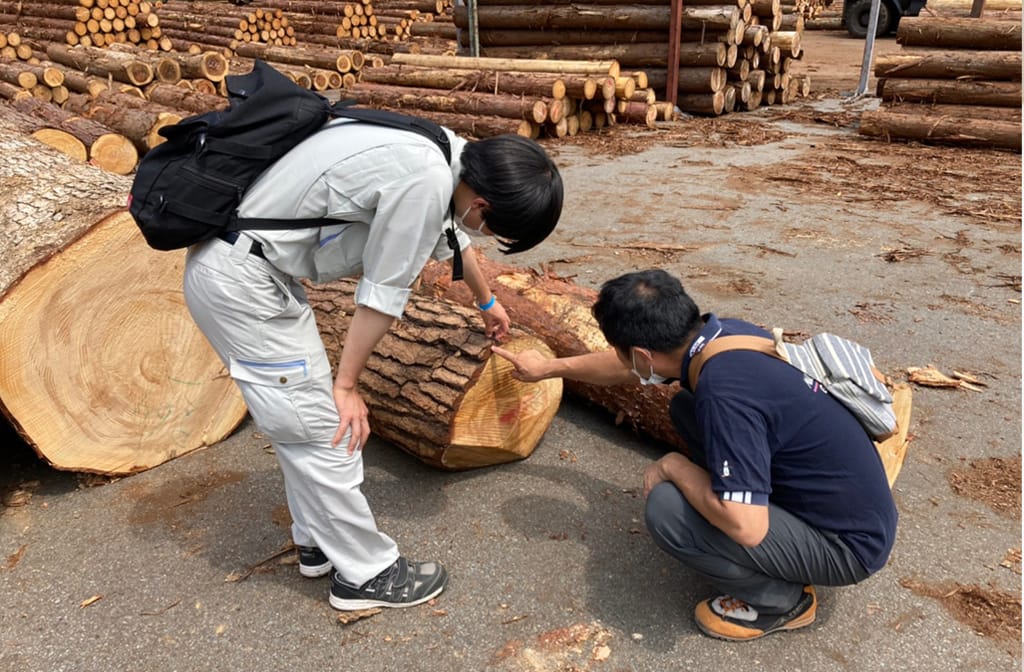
(646, 309)
(520, 183)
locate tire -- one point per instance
(857, 13)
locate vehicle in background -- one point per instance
(856, 14)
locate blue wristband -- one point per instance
(489, 304)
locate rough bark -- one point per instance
(949, 130)
(526, 83)
(106, 149)
(986, 65)
(558, 311)
(516, 65)
(959, 33)
(433, 386)
(102, 63)
(103, 369)
(959, 92)
(513, 107)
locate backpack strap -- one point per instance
(424, 127)
(721, 344)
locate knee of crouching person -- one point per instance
(665, 506)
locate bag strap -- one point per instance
(424, 127)
(721, 344)
(769, 346)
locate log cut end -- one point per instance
(102, 369)
(114, 153)
(502, 419)
(894, 449)
(63, 142)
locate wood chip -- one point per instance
(348, 617)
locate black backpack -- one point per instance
(188, 188)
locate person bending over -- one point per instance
(398, 203)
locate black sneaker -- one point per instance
(312, 562)
(403, 584)
(726, 617)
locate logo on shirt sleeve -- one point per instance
(725, 469)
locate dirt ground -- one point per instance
(785, 216)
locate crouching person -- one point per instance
(782, 490)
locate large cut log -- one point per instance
(135, 118)
(25, 124)
(434, 388)
(958, 92)
(101, 367)
(329, 59)
(934, 64)
(959, 33)
(178, 98)
(477, 126)
(516, 65)
(640, 17)
(104, 148)
(524, 37)
(640, 54)
(462, 102)
(520, 83)
(558, 311)
(969, 111)
(949, 130)
(101, 62)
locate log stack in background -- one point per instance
(485, 96)
(88, 22)
(956, 81)
(733, 56)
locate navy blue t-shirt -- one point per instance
(771, 434)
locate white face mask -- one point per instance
(652, 379)
(476, 233)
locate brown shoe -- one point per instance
(726, 617)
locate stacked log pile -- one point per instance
(734, 56)
(958, 83)
(107, 106)
(486, 96)
(88, 22)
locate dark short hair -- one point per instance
(646, 309)
(520, 183)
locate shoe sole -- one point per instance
(315, 571)
(343, 604)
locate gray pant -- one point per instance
(258, 321)
(770, 576)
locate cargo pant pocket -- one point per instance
(287, 401)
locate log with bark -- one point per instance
(101, 367)
(136, 119)
(576, 67)
(558, 312)
(938, 64)
(103, 63)
(104, 148)
(434, 388)
(951, 91)
(941, 129)
(959, 33)
(403, 97)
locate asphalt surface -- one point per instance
(551, 567)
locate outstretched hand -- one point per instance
(530, 365)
